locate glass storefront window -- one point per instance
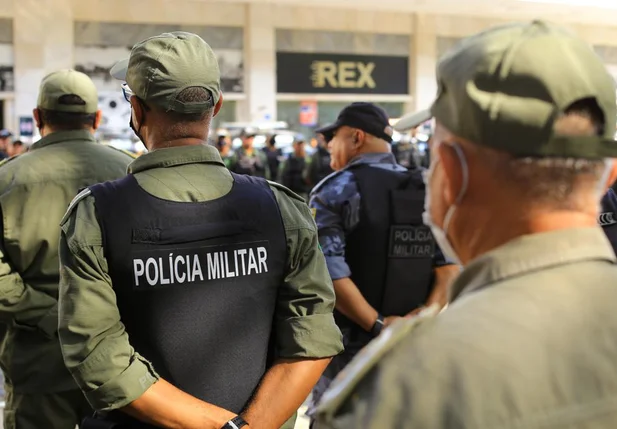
(327, 112)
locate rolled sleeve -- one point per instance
(124, 388)
(305, 326)
(337, 267)
(94, 342)
(337, 213)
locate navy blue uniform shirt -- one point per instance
(335, 202)
(608, 217)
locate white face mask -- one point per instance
(441, 234)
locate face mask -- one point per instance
(441, 234)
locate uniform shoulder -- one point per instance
(293, 208)
(125, 152)
(344, 385)
(278, 188)
(329, 180)
(74, 203)
(6, 161)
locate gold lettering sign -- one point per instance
(343, 74)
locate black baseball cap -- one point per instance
(367, 117)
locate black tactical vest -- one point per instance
(196, 283)
(608, 217)
(390, 253)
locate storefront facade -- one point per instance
(295, 63)
(325, 71)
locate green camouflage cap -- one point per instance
(505, 87)
(161, 67)
(68, 82)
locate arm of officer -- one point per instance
(337, 211)
(95, 345)
(305, 332)
(20, 303)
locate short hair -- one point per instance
(178, 124)
(67, 121)
(18, 143)
(553, 181)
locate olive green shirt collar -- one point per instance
(173, 156)
(533, 253)
(63, 137)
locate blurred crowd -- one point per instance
(10, 147)
(301, 165)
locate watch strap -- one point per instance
(235, 423)
(377, 326)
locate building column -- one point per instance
(259, 65)
(43, 43)
(423, 62)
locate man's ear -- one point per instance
(359, 138)
(138, 112)
(453, 173)
(218, 105)
(98, 117)
(36, 113)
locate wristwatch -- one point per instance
(235, 423)
(377, 326)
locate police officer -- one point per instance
(190, 294)
(382, 259)
(35, 190)
(223, 144)
(247, 159)
(525, 117)
(293, 169)
(5, 143)
(274, 157)
(319, 163)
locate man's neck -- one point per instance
(190, 141)
(49, 131)
(496, 230)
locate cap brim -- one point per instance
(118, 71)
(412, 120)
(328, 132)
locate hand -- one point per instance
(390, 320)
(415, 312)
